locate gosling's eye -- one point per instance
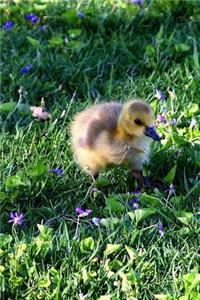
(138, 122)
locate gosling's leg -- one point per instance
(94, 176)
(142, 181)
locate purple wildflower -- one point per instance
(83, 213)
(33, 18)
(96, 221)
(86, 213)
(26, 69)
(80, 15)
(138, 2)
(172, 189)
(57, 171)
(135, 203)
(159, 95)
(8, 25)
(172, 122)
(138, 192)
(161, 229)
(30, 16)
(42, 27)
(161, 119)
(79, 210)
(16, 218)
(193, 123)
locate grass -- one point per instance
(117, 51)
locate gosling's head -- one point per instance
(137, 119)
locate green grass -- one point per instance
(119, 52)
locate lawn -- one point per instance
(62, 236)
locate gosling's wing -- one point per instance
(105, 119)
(90, 123)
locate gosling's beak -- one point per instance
(151, 132)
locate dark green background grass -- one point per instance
(122, 51)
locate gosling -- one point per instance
(114, 134)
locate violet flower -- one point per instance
(33, 18)
(138, 2)
(172, 189)
(193, 123)
(26, 69)
(137, 192)
(57, 171)
(8, 25)
(159, 95)
(172, 122)
(83, 213)
(42, 27)
(96, 221)
(80, 15)
(30, 16)
(135, 203)
(79, 210)
(16, 218)
(161, 229)
(161, 119)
